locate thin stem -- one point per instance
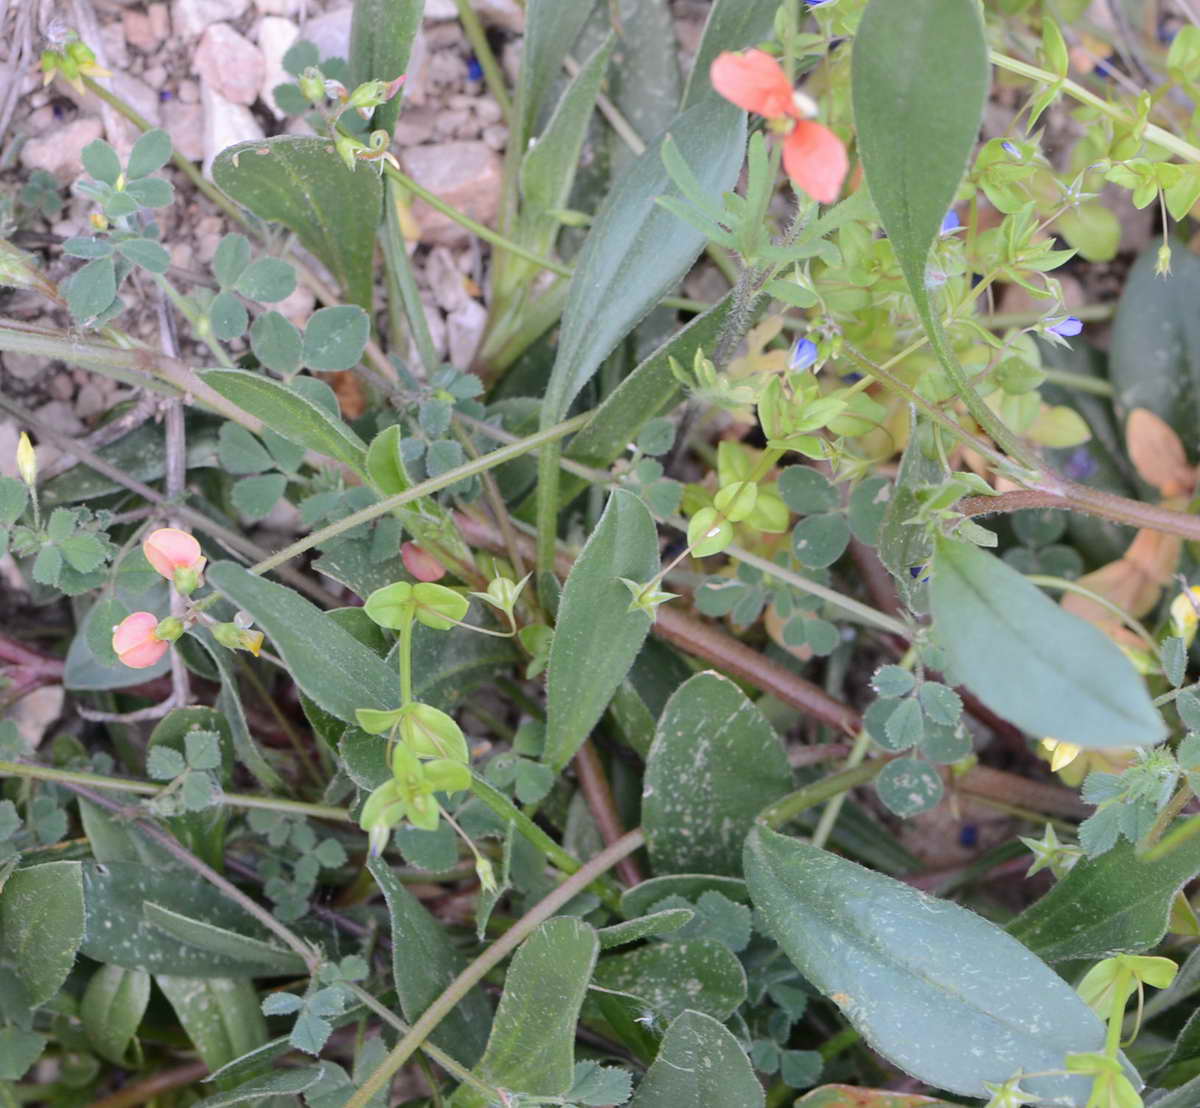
(560, 858)
(492, 73)
(792, 805)
(490, 958)
(593, 782)
(1166, 817)
(831, 811)
(424, 488)
(405, 655)
(1173, 840)
(1152, 133)
(399, 265)
(474, 226)
(1080, 382)
(144, 788)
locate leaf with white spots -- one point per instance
(714, 765)
(671, 977)
(939, 991)
(699, 1062)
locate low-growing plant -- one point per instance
(564, 639)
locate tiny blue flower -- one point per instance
(951, 223)
(918, 574)
(1066, 328)
(474, 69)
(804, 354)
(1080, 465)
(1010, 149)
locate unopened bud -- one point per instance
(26, 460)
(169, 629)
(486, 874)
(233, 637)
(312, 85)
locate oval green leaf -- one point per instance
(673, 976)
(700, 1063)
(289, 414)
(303, 184)
(532, 1046)
(1043, 669)
(939, 991)
(41, 926)
(714, 765)
(112, 1007)
(220, 1016)
(424, 963)
(597, 637)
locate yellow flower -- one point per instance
(1061, 754)
(1184, 617)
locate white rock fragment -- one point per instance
(58, 151)
(230, 63)
(466, 175)
(275, 36)
(465, 327)
(225, 124)
(193, 17)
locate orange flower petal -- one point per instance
(815, 159)
(754, 81)
(169, 549)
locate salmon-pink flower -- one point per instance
(815, 159)
(135, 643)
(420, 563)
(176, 555)
(754, 81)
(813, 156)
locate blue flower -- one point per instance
(804, 354)
(951, 223)
(1066, 328)
(1010, 149)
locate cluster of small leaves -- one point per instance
(294, 862)
(1128, 803)
(646, 475)
(264, 280)
(68, 552)
(124, 240)
(40, 194)
(325, 1000)
(192, 775)
(914, 713)
(517, 771)
(45, 821)
(300, 56)
(263, 466)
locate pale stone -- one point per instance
(160, 21)
(414, 126)
(123, 134)
(445, 279)
(24, 367)
(90, 402)
(112, 39)
(298, 307)
(139, 30)
(9, 437)
(34, 713)
(275, 35)
(496, 136)
(466, 175)
(465, 327)
(185, 124)
(225, 124)
(194, 17)
(58, 151)
(505, 14)
(279, 7)
(189, 91)
(416, 78)
(437, 11)
(231, 64)
(330, 33)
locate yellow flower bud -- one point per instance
(26, 460)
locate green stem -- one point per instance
(474, 226)
(831, 811)
(199, 324)
(492, 73)
(425, 488)
(1080, 382)
(190, 171)
(1165, 818)
(399, 265)
(1174, 839)
(560, 858)
(493, 956)
(405, 652)
(1152, 133)
(144, 788)
(818, 792)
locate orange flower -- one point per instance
(134, 640)
(420, 563)
(813, 156)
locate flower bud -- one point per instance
(1185, 609)
(428, 732)
(486, 874)
(169, 629)
(176, 555)
(135, 641)
(422, 565)
(312, 85)
(233, 637)
(26, 460)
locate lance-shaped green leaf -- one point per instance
(221, 941)
(221, 1016)
(551, 28)
(532, 1046)
(1117, 903)
(291, 415)
(333, 668)
(1045, 670)
(714, 765)
(279, 1083)
(381, 38)
(597, 637)
(303, 184)
(636, 250)
(424, 962)
(939, 991)
(700, 1063)
(41, 926)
